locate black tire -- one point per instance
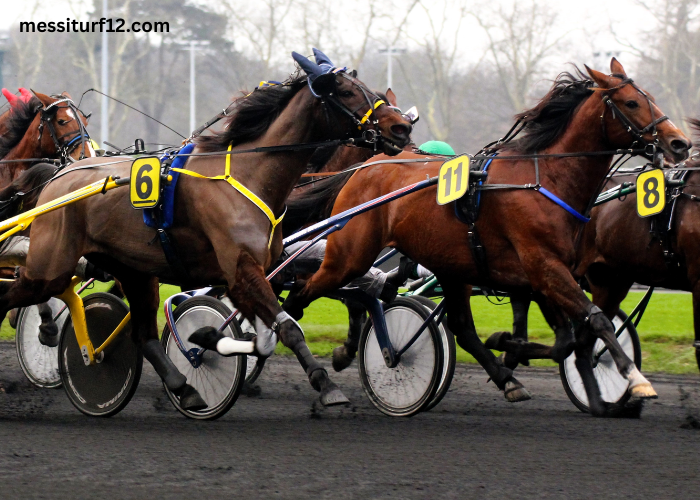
(449, 355)
(38, 362)
(214, 369)
(611, 383)
(104, 389)
(408, 388)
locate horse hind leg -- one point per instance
(48, 331)
(142, 293)
(344, 354)
(461, 322)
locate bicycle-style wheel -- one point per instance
(449, 355)
(218, 379)
(38, 362)
(105, 388)
(409, 387)
(613, 386)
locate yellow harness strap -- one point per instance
(243, 190)
(370, 111)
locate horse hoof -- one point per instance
(643, 391)
(341, 358)
(48, 335)
(497, 340)
(332, 396)
(190, 399)
(206, 337)
(515, 392)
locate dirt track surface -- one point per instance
(277, 445)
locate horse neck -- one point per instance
(577, 179)
(273, 175)
(28, 147)
(345, 157)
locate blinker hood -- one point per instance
(321, 74)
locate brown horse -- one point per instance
(529, 241)
(220, 235)
(13, 100)
(618, 248)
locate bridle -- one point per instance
(66, 143)
(371, 134)
(617, 113)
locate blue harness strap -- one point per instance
(563, 204)
(161, 217)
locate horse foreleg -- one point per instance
(48, 331)
(142, 292)
(553, 279)
(461, 322)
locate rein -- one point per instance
(65, 148)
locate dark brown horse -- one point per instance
(221, 236)
(529, 241)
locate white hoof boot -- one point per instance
(640, 387)
(266, 340)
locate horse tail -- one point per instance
(22, 194)
(314, 204)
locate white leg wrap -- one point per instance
(228, 346)
(266, 340)
(636, 378)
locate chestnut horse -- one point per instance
(221, 236)
(528, 240)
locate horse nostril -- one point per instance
(679, 146)
(401, 130)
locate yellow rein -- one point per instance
(370, 111)
(243, 190)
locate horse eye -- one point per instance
(62, 121)
(632, 104)
(345, 93)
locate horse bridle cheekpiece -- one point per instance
(66, 143)
(322, 82)
(635, 131)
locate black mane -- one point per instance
(21, 116)
(253, 115)
(547, 121)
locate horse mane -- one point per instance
(30, 182)
(21, 117)
(545, 122)
(253, 114)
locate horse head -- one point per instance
(631, 117)
(366, 114)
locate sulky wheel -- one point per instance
(218, 379)
(449, 354)
(103, 389)
(39, 362)
(410, 387)
(254, 364)
(613, 386)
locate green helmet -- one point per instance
(437, 148)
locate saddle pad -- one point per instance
(161, 217)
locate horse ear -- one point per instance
(604, 81)
(26, 95)
(310, 68)
(391, 97)
(616, 68)
(66, 94)
(322, 59)
(43, 98)
(11, 98)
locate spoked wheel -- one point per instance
(103, 389)
(38, 362)
(449, 355)
(410, 387)
(613, 386)
(218, 379)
